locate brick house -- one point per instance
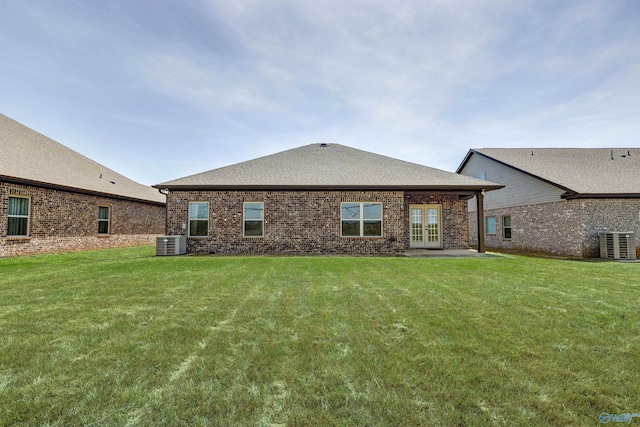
(321, 199)
(556, 200)
(54, 199)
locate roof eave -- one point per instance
(555, 184)
(573, 196)
(33, 183)
(465, 160)
(329, 187)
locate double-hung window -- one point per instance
(506, 227)
(198, 219)
(253, 219)
(103, 219)
(361, 219)
(18, 216)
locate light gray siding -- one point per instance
(521, 189)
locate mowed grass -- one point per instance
(120, 337)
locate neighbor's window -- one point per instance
(361, 219)
(491, 225)
(253, 219)
(506, 227)
(103, 220)
(18, 224)
(198, 219)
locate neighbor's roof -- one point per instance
(328, 166)
(31, 158)
(579, 171)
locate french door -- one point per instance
(425, 226)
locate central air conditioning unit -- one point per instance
(617, 245)
(171, 245)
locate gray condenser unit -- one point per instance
(171, 245)
(617, 245)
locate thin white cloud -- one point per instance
(206, 86)
(422, 81)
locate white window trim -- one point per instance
(244, 204)
(362, 220)
(197, 219)
(27, 216)
(510, 227)
(108, 220)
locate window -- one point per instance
(103, 220)
(198, 219)
(361, 219)
(18, 224)
(253, 219)
(506, 227)
(491, 225)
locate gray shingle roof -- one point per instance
(327, 166)
(597, 171)
(30, 157)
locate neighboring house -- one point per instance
(321, 199)
(54, 199)
(556, 200)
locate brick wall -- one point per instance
(305, 222)
(567, 227)
(609, 214)
(66, 221)
(455, 230)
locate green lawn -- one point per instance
(120, 337)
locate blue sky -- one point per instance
(162, 89)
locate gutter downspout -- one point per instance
(166, 209)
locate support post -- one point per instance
(480, 211)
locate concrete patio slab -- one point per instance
(448, 253)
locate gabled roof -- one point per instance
(327, 166)
(29, 157)
(582, 172)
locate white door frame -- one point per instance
(425, 226)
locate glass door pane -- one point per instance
(433, 226)
(417, 226)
